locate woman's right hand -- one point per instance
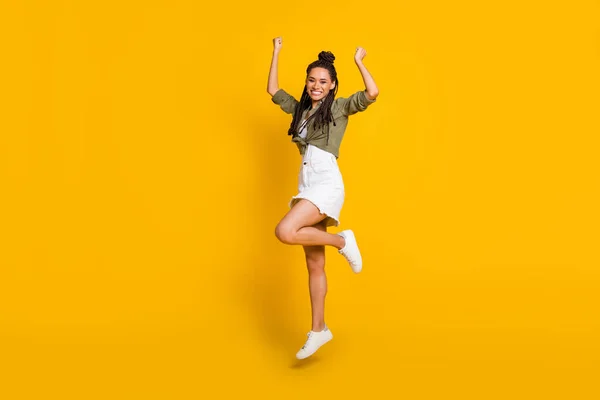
(277, 43)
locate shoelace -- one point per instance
(309, 334)
(348, 257)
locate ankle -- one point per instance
(342, 243)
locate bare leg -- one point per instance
(317, 281)
(297, 227)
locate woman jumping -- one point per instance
(318, 124)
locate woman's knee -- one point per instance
(315, 260)
(285, 233)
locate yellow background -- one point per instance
(143, 168)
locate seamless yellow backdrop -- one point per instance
(143, 168)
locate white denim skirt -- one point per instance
(320, 182)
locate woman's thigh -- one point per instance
(303, 213)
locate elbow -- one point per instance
(372, 94)
(272, 91)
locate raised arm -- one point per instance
(273, 84)
(371, 88)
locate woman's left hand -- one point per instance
(360, 54)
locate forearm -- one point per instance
(370, 86)
(273, 84)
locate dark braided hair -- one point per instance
(323, 116)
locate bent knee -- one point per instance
(285, 234)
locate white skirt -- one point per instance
(320, 181)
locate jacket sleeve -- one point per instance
(355, 103)
(286, 101)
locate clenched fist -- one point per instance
(360, 54)
(277, 43)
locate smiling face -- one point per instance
(318, 84)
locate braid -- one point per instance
(303, 104)
(323, 116)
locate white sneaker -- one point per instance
(350, 251)
(314, 341)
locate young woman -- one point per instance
(318, 124)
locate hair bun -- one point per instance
(327, 56)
